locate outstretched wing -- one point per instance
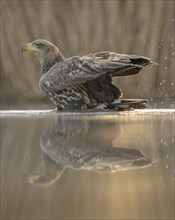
(136, 62)
(77, 69)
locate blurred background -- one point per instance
(83, 27)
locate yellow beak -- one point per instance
(29, 48)
(32, 178)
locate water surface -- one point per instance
(87, 166)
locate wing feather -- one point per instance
(77, 69)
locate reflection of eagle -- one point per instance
(85, 82)
(68, 148)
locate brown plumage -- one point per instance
(85, 82)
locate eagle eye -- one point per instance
(39, 45)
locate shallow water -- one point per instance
(93, 165)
